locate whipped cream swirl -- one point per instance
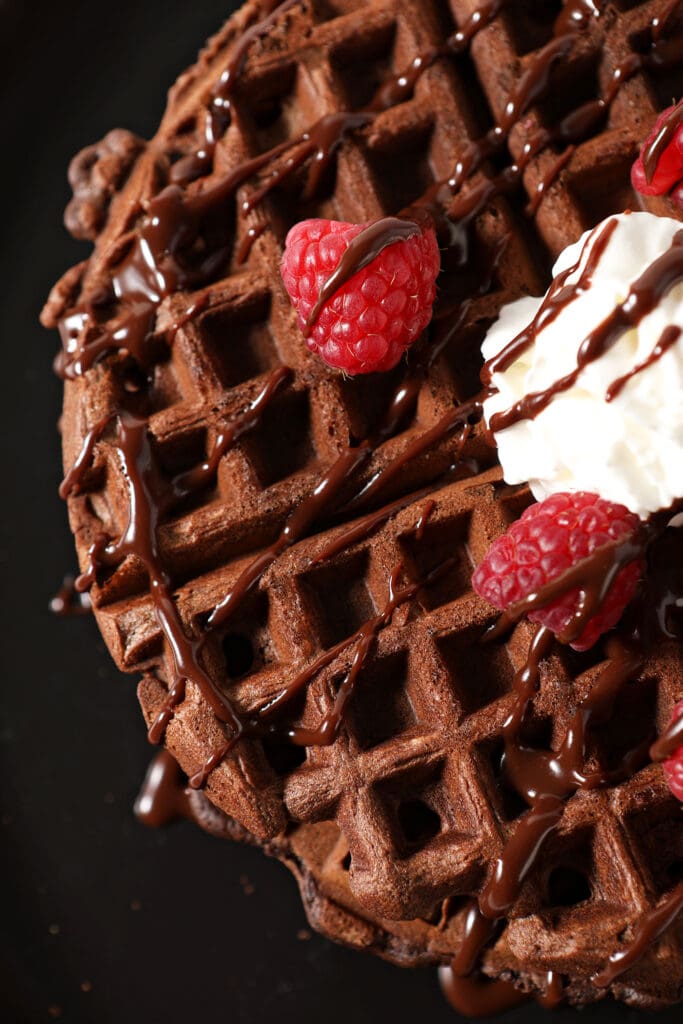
(618, 429)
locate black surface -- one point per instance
(161, 926)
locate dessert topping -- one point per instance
(548, 541)
(659, 167)
(587, 382)
(673, 766)
(363, 293)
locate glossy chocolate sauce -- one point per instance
(591, 576)
(651, 928)
(400, 87)
(219, 109)
(645, 294)
(163, 797)
(560, 295)
(661, 22)
(367, 525)
(474, 996)
(362, 250)
(554, 992)
(140, 538)
(68, 602)
(364, 638)
(653, 153)
(671, 740)
(668, 338)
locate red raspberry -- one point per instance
(550, 537)
(673, 766)
(373, 318)
(669, 170)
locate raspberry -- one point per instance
(673, 766)
(373, 318)
(550, 537)
(669, 170)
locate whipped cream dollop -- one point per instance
(628, 449)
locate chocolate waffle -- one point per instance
(285, 553)
(318, 857)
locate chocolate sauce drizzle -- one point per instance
(661, 22)
(478, 997)
(667, 340)
(653, 153)
(651, 928)
(560, 295)
(645, 294)
(163, 797)
(361, 251)
(364, 639)
(175, 247)
(669, 742)
(68, 602)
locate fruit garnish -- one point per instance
(673, 766)
(369, 321)
(659, 167)
(550, 538)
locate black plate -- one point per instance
(101, 920)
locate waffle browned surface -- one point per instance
(407, 808)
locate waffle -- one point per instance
(318, 857)
(410, 789)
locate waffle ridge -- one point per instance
(394, 823)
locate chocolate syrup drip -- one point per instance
(368, 523)
(549, 178)
(71, 483)
(361, 251)
(532, 84)
(463, 416)
(325, 733)
(479, 997)
(560, 295)
(576, 14)
(572, 129)
(645, 294)
(667, 340)
(546, 781)
(653, 153)
(219, 112)
(400, 87)
(163, 797)
(140, 538)
(593, 576)
(68, 602)
(647, 932)
(659, 24)
(554, 992)
(669, 742)
(247, 243)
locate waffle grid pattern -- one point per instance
(412, 782)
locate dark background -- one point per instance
(101, 920)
